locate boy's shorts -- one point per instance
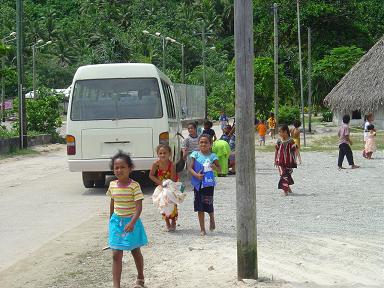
(262, 139)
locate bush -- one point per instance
(288, 114)
(43, 113)
(4, 133)
(327, 116)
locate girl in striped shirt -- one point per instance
(126, 232)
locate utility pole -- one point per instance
(204, 73)
(2, 90)
(301, 69)
(245, 143)
(20, 76)
(182, 64)
(309, 81)
(276, 61)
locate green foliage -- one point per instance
(327, 116)
(264, 85)
(43, 113)
(89, 32)
(329, 70)
(288, 114)
(5, 133)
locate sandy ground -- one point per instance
(329, 233)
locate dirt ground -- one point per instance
(329, 233)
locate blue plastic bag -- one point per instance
(198, 168)
(208, 179)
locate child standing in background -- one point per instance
(191, 143)
(223, 120)
(285, 159)
(272, 125)
(369, 120)
(202, 163)
(161, 170)
(126, 232)
(295, 134)
(208, 130)
(262, 130)
(370, 142)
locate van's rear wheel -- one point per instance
(88, 183)
(88, 180)
(100, 183)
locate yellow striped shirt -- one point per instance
(125, 197)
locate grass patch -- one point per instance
(19, 152)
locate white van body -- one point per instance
(130, 107)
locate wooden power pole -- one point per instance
(245, 143)
(301, 70)
(276, 61)
(20, 75)
(309, 81)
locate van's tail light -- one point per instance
(71, 145)
(164, 138)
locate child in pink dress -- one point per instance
(370, 142)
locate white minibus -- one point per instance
(130, 107)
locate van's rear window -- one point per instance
(104, 99)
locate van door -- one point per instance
(104, 143)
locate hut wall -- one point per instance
(378, 122)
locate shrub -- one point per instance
(43, 113)
(288, 114)
(327, 116)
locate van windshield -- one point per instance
(105, 99)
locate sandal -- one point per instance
(139, 283)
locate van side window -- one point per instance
(169, 100)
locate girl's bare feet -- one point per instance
(203, 233)
(212, 224)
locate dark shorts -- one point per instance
(203, 201)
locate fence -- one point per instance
(191, 100)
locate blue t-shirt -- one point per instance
(201, 158)
(223, 118)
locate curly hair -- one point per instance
(123, 156)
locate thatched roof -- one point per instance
(362, 88)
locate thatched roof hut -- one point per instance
(362, 88)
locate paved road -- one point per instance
(39, 200)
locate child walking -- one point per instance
(344, 144)
(203, 181)
(285, 159)
(370, 143)
(262, 130)
(126, 232)
(161, 170)
(295, 133)
(272, 125)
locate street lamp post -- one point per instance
(182, 57)
(9, 38)
(34, 47)
(163, 39)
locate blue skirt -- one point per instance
(121, 240)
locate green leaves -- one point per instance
(328, 71)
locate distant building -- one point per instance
(361, 90)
